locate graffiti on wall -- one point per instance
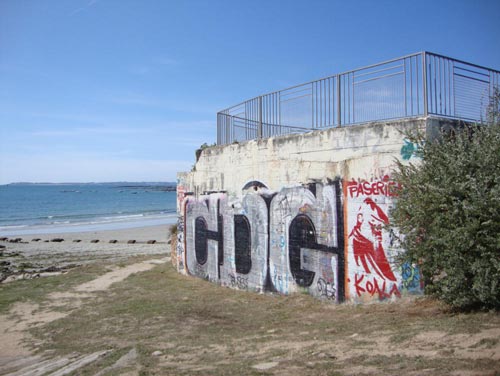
(179, 257)
(204, 236)
(307, 242)
(181, 193)
(281, 242)
(411, 280)
(409, 150)
(294, 240)
(371, 248)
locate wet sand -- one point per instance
(159, 233)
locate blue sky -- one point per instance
(113, 90)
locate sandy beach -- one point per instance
(159, 233)
(35, 255)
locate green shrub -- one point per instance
(448, 213)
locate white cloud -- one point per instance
(89, 4)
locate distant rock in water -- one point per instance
(154, 187)
(57, 240)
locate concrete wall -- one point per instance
(300, 213)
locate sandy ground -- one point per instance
(35, 254)
(44, 254)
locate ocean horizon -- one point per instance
(36, 208)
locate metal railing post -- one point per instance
(424, 79)
(339, 115)
(218, 129)
(259, 129)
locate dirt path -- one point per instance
(17, 358)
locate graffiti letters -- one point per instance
(242, 247)
(238, 282)
(326, 289)
(372, 286)
(294, 240)
(308, 243)
(382, 187)
(280, 242)
(204, 237)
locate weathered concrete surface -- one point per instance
(300, 213)
(293, 159)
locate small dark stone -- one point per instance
(57, 240)
(113, 241)
(131, 242)
(76, 241)
(95, 241)
(4, 239)
(51, 269)
(151, 242)
(36, 240)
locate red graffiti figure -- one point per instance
(367, 239)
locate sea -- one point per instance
(36, 208)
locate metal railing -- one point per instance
(420, 84)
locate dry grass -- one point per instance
(204, 329)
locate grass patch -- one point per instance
(204, 329)
(36, 290)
